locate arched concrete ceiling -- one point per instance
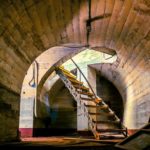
(29, 27)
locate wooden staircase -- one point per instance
(102, 120)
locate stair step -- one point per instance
(95, 106)
(70, 75)
(109, 114)
(87, 99)
(111, 130)
(85, 93)
(112, 135)
(106, 121)
(63, 69)
(75, 81)
(67, 73)
(81, 87)
(98, 100)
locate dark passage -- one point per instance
(108, 92)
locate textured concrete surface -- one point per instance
(28, 28)
(134, 92)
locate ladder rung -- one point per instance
(87, 99)
(75, 81)
(91, 113)
(91, 106)
(108, 114)
(70, 76)
(111, 130)
(81, 87)
(106, 121)
(98, 100)
(85, 93)
(66, 72)
(95, 106)
(63, 69)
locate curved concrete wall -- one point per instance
(134, 88)
(30, 105)
(28, 28)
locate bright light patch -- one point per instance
(87, 57)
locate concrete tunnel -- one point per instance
(58, 30)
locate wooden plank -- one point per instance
(85, 93)
(84, 98)
(111, 130)
(70, 75)
(106, 121)
(81, 87)
(95, 106)
(106, 114)
(76, 81)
